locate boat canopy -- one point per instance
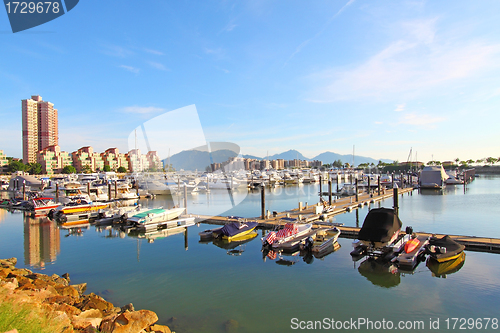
(152, 211)
(234, 228)
(380, 225)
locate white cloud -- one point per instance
(424, 120)
(131, 69)
(154, 52)
(158, 66)
(142, 109)
(400, 107)
(116, 51)
(418, 63)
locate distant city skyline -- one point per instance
(268, 76)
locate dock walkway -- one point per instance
(313, 214)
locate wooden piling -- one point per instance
(356, 189)
(88, 189)
(263, 202)
(185, 199)
(24, 190)
(320, 187)
(330, 192)
(116, 189)
(57, 191)
(109, 191)
(395, 203)
(378, 184)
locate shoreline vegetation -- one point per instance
(37, 303)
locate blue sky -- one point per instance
(270, 76)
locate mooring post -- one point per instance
(263, 202)
(369, 184)
(356, 189)
(116, 189)
(57, 192)
(185, 198)
(378, 184)
(395, 198)
(320, 187)
(24, 190)
(88, 189)
(330, 192)
(392, 179)
(109, 191)
(186, 239)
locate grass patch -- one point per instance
(26, 318)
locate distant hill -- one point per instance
(289, 155)
(198, 159)
(329, 157)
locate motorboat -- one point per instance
(444, 249)
(325, 238)
(155, 216)
(441, 269)
(433, 177)
(78, 206)
(235, 229)
(380, 234)
(290, 230)
(40, 205)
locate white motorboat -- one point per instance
(155, 216)
(290, 231)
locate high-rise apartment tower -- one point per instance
(40, 127)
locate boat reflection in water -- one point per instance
(380, 273)
(442, 269)
(237, 246)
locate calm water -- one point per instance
(203, 286)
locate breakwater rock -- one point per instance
(66, 303)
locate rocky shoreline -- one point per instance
(67, 304)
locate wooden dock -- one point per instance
(313, 214)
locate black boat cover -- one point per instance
(452, 247)
(234, 228)
(380, 225)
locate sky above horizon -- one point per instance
(383, 77)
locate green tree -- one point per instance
(338, 164)
(68, 169)
(121, 170)
(469, 161)
(457, 160)
(491, 160)
(107, 168)
(87, 169)
(16, 166)
(34, 168)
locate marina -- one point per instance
(133, 255)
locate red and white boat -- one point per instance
(289, 232)
(42, 205)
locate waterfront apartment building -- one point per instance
(53, 160)
(84, 159)
(114, 159)
(3, 161)
(40, 127)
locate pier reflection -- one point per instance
(235, 247)
(380, 273)
(42, 241)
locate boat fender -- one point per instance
(78, 201)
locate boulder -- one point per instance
(4, 272)
(80, 288)
(87, 318)
(67, 291)
(130, 322)
(8, 262)
(93, 301)
(68, 309)
(231, 326)
(159, 329)
(129, 307)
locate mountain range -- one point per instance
(200, 160)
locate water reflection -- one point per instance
(42, 241)
(440, 270)
(380, 273)
(235, 247)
